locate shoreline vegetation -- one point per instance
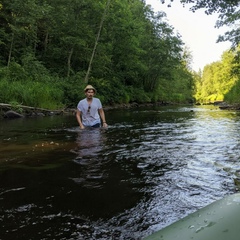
(49, 53)
(9, 111)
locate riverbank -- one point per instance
(20, 111)
(230, 106)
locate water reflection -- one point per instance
(90, 143)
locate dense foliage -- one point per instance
(133, 54)
(219, 81)
(46, 48)
(229, 15)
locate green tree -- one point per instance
(217, 80)
(229, 15)
(20, 21)
(138, 56)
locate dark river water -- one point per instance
(151, 167)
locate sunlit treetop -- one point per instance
(219, 6)
(229, 15)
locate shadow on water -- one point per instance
(55, 187)
(148, 169)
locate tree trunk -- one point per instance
(96, 42)
(10, 51)
(46, 42)
(69, 62)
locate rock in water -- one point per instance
(12, 114)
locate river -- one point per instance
(149, 168)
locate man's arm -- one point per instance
(102, 115)
(79, 119)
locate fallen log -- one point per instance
(27, 107)
(27, 110)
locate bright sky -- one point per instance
(197, 31)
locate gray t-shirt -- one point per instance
(89, 113)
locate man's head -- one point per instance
(89, 87)
(89, 91)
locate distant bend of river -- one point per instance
(149, 168)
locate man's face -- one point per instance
(89, 94)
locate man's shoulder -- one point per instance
(83, 100)
(96, 99)
(97, 102)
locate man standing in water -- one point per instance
(89, 110)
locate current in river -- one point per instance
(150, 167)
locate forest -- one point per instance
(50, 50)
(219, 81)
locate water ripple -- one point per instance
(148, 169)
